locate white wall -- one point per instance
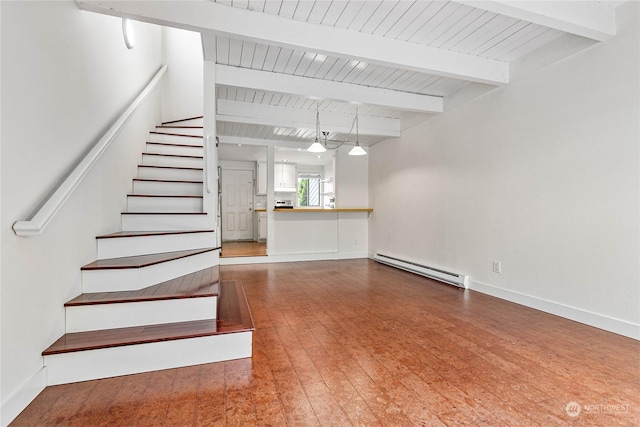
(351, 179)
(66, 76)
(542, 175)
(184, 87)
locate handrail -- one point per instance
(46, 212)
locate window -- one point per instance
(309, 190)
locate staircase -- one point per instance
(153, 298)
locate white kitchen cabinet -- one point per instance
(286, 177)
(262, 226)
(261, 180)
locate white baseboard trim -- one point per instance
(23, 396)
(351, 255)
(324, 256)
(617, 326)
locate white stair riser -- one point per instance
(123, 315)
(180, 150)
(175, 139)
(164, 204)
(167, 187)
(168, 222)
(133, 279)
(187, 162)
(142, 245)
(182, 131)
(115, 361)
(170, 174)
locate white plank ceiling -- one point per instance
(398, 62)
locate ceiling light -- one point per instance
(357, 150)
(127, 32)
(316, 147)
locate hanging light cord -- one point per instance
(317, 123)
(354, 123)
(357, 133)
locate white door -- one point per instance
(237, 205)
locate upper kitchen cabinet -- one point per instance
(286, 178)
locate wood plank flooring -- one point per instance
(242, 249)
(352, 342)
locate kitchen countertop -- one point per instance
(299, 210)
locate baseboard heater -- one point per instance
(455, 279)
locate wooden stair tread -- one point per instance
(167, 180)
(234, 316)
(174, 145)
(182, 120)
(179, 127)
(169, 167)
(180, 196)
(201, 283)
(148, 233)
(139, 261)
(233, 309)
(187, 156)
(176, 134)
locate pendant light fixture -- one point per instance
(317, 147)
(357, 150)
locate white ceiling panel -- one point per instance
(377, 50)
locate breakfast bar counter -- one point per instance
(324, 210)
(332, 232)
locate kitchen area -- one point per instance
(286, 203)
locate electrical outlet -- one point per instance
(355, 242)
(497, 267)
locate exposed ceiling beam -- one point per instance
(209, 51)
(230, 21)
(271, 115)
(325, 89)
(227, 139)
(588, 19)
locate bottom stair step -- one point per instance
(100, 354)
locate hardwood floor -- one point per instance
(359, 343)
(241, 249)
